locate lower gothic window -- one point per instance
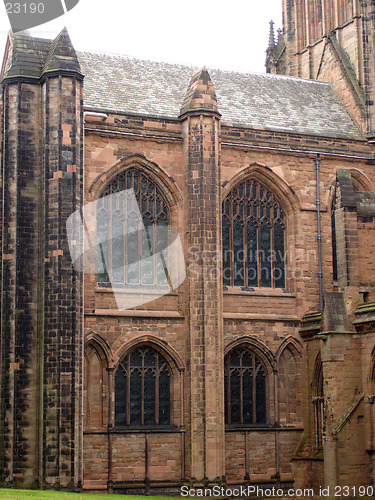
(131, 231)
(245, 388)
(142, 389)
(253, 237)
(318, 403)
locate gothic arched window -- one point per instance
(245, 388)
(142, 389)
(253, 237)
(318, 403)
(131, 229)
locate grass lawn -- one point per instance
(10, 494)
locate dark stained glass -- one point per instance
(265, 255)
(253, 237)
(245, 388)
(238, 253)
(120, 400)
(147, 375)
(135, 397)
(279, 255)
(252, 254)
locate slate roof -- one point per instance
(254, 100)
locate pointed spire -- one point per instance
(200, 94)
(61, 55)
(271, 42)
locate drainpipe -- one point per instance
(319, 230)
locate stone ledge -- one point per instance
(261, 317)
(135, 313)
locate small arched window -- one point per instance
(245, 388)
(253, 237)
(131, 230)
(318, 403)
(142, 389)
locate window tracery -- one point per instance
(253, 237)
(132, 229)
(245, 388)
(142, 389)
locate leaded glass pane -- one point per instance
(265, 256)
(129, 251)
(117, 248)
(260, 398)
(264, 224)
(120, 398)
(132, 238)
(279, 264)
(245, 399)
(147, 374)
(235, 398)
(247, 384)
(149, 397)
(147, 251)
(161, 255)
(164, 398)
(252, 255)
(226, 252)
(135, 397)
(102, 254)
(238, 253)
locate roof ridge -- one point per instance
(196, 67)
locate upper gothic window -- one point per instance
(131, 231)
(245, 388)
(253, 237)
(142, 389)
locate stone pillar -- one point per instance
(368, 40)
(20, 286)
(63, 293)
(205, 408)
(42, 299)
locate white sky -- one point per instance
(230, 35)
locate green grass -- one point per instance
(10, 494)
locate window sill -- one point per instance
(260, 427)
(261, 292)
(135, 290)
(147, 429)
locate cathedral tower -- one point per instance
(332, 41)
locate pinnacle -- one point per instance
(200, 94)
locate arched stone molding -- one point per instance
(258, 347)
(268, 360)
(281, 189)
(291, 343)
(97, 355)
(176, 366)
(360, 181)
(316, 388)
(156, 343)
(289, 202)
(100, 345)
(158, 175)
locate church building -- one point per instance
(257, 365)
